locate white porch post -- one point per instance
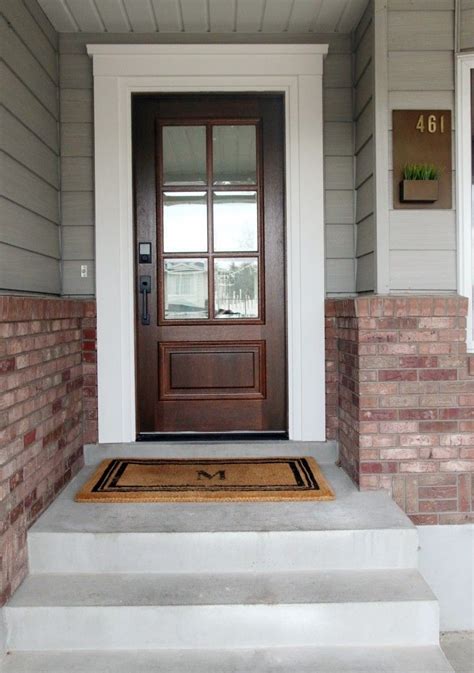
(294, 70)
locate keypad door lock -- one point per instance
(144, 253)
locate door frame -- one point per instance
(293, 70)
(464, 66)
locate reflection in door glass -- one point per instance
(236, 288)
(184, 155)
(186, 289)
(184, 222)
(235, 221)
(235, 155)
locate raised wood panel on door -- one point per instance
(212, 374)
(212, 370)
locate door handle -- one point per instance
(145, 290)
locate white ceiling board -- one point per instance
(140, 14)
(303, 15)
(59, 15)
(351, 15)
(329, 15)
(113, 15)
(204, 16)
(222, 14)
(168, 16)
(276, 16)
(86, 15)
(249, 15)
(195, 16)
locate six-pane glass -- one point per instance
(234, 217)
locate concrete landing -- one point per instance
(350, 510)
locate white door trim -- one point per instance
(296, 71)
(464, 65)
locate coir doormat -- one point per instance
(128, 480)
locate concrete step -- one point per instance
(356, 608)
(323, 452)
(279, 660)
(355, 531)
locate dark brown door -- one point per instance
(210, 307)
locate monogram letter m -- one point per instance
(202, 474)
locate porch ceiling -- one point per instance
(204, 16)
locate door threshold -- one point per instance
(211, 436)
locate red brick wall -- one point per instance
(48, 409)
(405, 416)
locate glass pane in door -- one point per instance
(184, 155)
(186, 294)
(236, 287)
(234, 150)
(184, 222)
(235, 221)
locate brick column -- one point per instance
(406, 402)
(47, 410)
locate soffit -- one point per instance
(204, 16)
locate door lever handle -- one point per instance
(145, 290)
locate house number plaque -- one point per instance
(422, 138)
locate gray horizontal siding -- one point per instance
(73, 284)
(25, 229)
(430, 28)
(77, 170)
(421, 76)
(25, 64)
(26, 189)
(77, 158)
(26, 271)
(29, 157)
(418, 270)
(364, 152)
(339, 172)
(25, 147)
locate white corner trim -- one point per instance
(294, 70)
(464, 65)
(381, 158)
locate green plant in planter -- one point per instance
(421, 172)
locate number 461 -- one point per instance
(431, 124)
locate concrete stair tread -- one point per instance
(296, 588)
(426, 659)
(351, 510)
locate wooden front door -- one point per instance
(210, 268)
